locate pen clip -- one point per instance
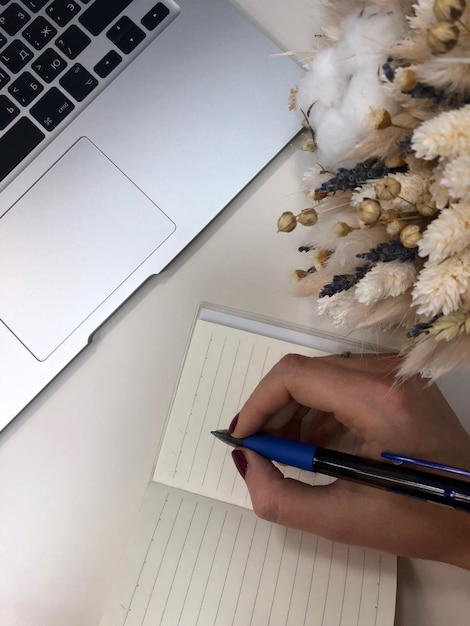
(398, 459)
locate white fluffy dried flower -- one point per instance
(440, 286)
(448, 234)
(456, 176)
(446, 135)
(385, 279)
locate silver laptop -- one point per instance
(125, 127)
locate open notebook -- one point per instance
(199, 556)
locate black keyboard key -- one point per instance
(78, 82)
(35, 5)
(52, 108)
(39, 32)
(101, 13)
(62, 11)
(15, 56)
(107, 64)
(13, 18)
(125, 35)
(25, 89)
(4, 78)
(156, 15)
(72, 41)
(3, 40)
(49, 65)
(8, 112)
(17, 143)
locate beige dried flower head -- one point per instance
(448, 10)
(405, 79)
(293, 98)
(442, 37)
(341, 229)
(286, 223)
(387, 188)
(450, 326)
(444, 135)
(426, 205)
(309, 145)
(369, 211)
(307, 217)
(410, 236)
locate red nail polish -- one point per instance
(233, 424)
(240, 462)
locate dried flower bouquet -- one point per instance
(386, 107)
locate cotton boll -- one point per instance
(343, 84)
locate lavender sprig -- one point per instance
(348, 179)
(343, 282)
(392, 250)
(422, 327)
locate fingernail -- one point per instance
(240, 462)
(233, 424)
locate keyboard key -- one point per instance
(17, 143)
(3, 40)
(25, 89)
(72, 41)
(156, 15)
(49, 65)
(78, 82)
(107, 64)
(35, 5)
(4, 78)
(52, 109)
(13, 18)
(8, 112)
(16, 56)
(125, 35)
(101, 13)
(39, 32)
(62, 11)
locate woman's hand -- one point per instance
(361, 394)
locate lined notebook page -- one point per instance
(200, 562)
(199, 556)
(222, 367)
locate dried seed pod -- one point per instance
(394, 160)
(378, 119)
(307, 217)
(410, 236)
(341, 229)
(321, 259)
(425, 205)
(387, 188)
(369, 211)
(448, 10)
(405, 80)
(394, 227)
(287, 222)
(442, 37)
(299, 274)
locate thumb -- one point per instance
(287, 501)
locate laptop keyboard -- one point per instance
(56, 56)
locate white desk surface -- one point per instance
(74, 466)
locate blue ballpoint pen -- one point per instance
(428, 486)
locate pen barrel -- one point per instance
(401, 480)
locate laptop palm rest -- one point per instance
(69, 242)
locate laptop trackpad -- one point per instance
(69, 242)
